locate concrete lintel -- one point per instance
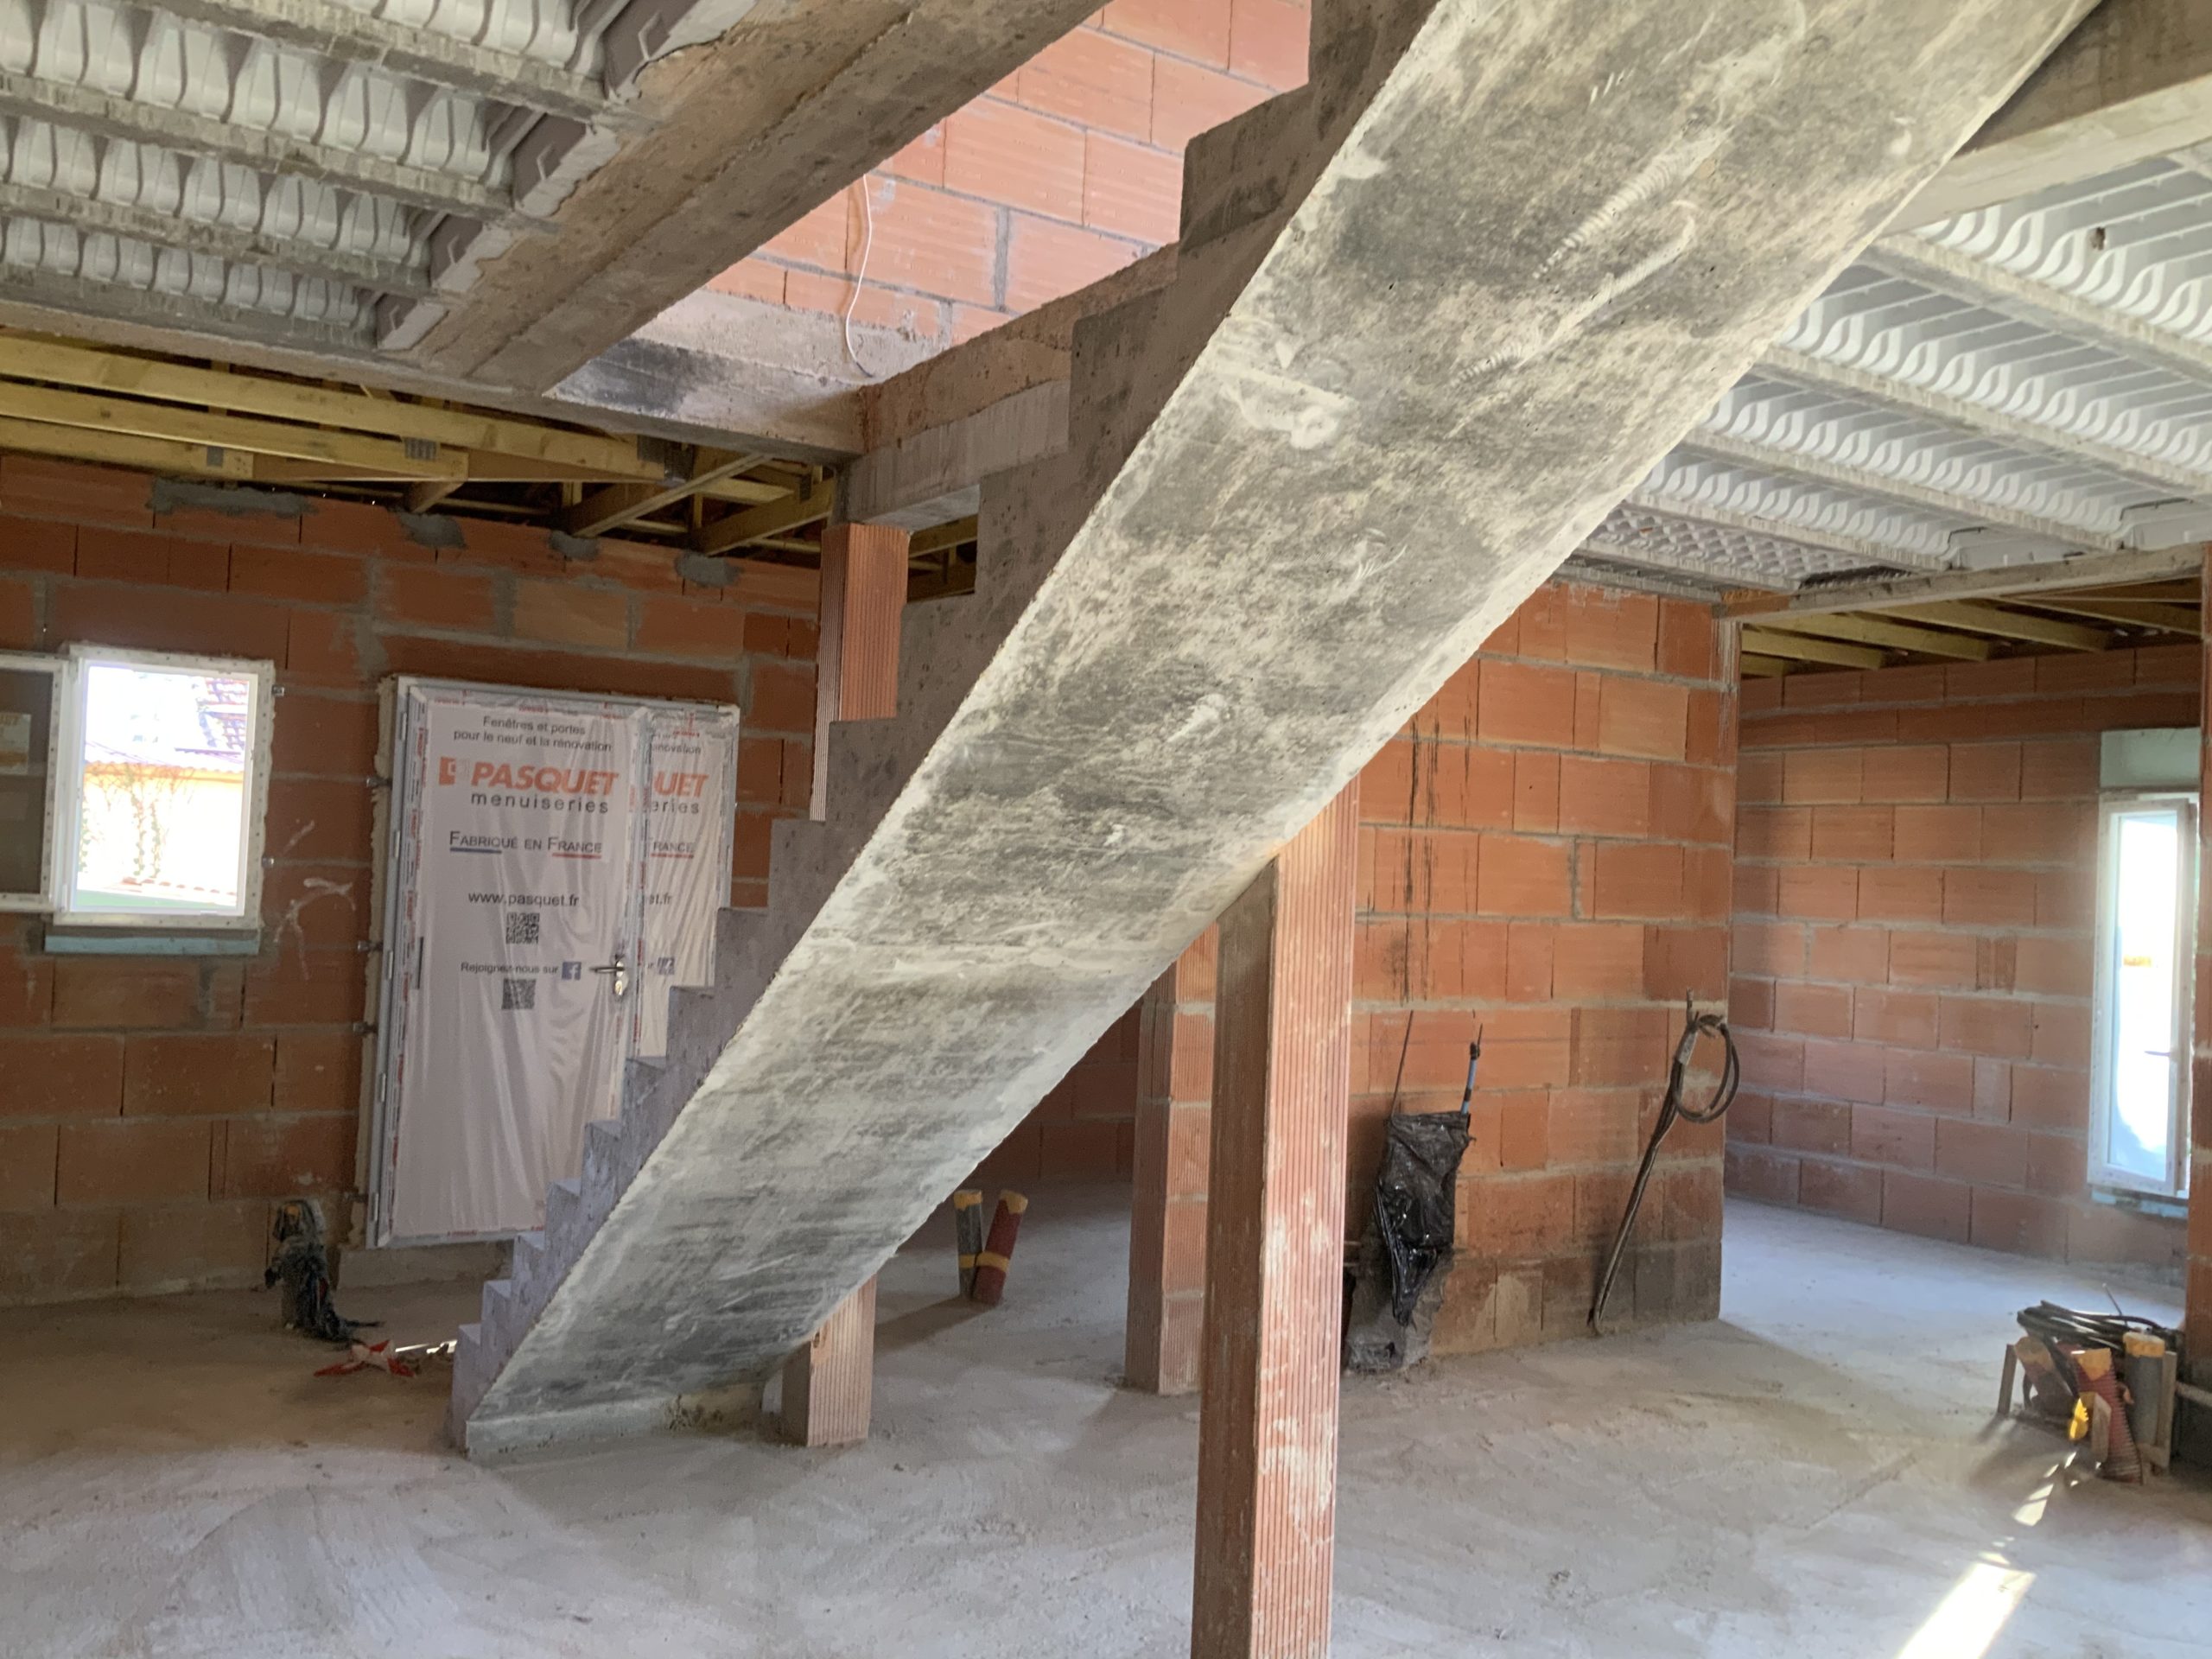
(785, 110)
(2133, 81)
(937, 476)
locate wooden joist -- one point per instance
(1755, 667)
(767, 522)
(1882, 631)
(2154, 613)
(1804, 648)
(2088, 571)
(1974, 616)
(618, 503)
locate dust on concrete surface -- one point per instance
(1811, 1476)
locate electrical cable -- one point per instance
(1694, 1026)
(867, 246)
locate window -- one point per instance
(2145, 944)
(132, 789)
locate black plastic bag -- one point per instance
(1414, 1211)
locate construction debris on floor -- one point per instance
(2107, 1379)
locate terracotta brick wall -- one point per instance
(1065, 172)
(1545, 857)
(155, 1108)
(1915, 902)
(1084, 1130)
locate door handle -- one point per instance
(620, 969)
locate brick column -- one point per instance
(1167, 1218)
(830, 1384)
(856, 670)
(1274, 1253)
(2193, 1438)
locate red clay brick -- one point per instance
(37, 544)
(2045, 1097)
(1198, 30)
(1862, 834)
(1268, 40)
(1897, 1139)
(133, 1160)
(1929, 958)
(1851, 955)
(28, 1157)
(438, 596)
(1985, 771)
(1643, 718)
(1925, 1205)
(1004, 153)
(2026, 1223)
(91, 993)
(1840, 1071)
(2001, 1029)
(1938, 834)
(327, 737)
(1188, 100)
(1818, 892)
(564, 614)
(1519, 877)
(1933, 1081)
(217, 1075)
(1988, 1155)
(157, 619)
(1823, 777)
(1768, 1177)
(1987, 898)
(1636, 879)
(308, 578)
(1900, 1018)
(285, 1157)
(1817, 1126)
(320, 988)
(317, 1072)
(1900, 894)
(1131, 190)
(1604, 798)
(1813, 1011)
(1775, 832)
(1851, 1190)
(322, 647)
(1092, 79)
(26, 988)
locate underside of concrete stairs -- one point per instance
(1431, 317)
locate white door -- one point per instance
(515, 920)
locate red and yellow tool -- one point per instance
(998, 1249)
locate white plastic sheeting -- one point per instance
(687, 860)
(522, 859)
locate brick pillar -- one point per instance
(2193, 1438)
(830, 1383)
(856, 667)
(1274, 1253)
(827, 1384)
(1167, 1218)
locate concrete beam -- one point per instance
(779, 115)
(937, 475)
(2133, 81)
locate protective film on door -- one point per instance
(513, 928)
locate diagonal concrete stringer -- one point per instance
(1433, 315)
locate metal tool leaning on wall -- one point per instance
(1694, 1026)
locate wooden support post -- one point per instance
(1274, 1253)
(830, 1384)
(856, 664)
(1167, 1210)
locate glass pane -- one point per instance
(25, 719)
(163, 820)
(2145, 889)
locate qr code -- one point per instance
(522, 927)
(517, 995)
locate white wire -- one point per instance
(867, 246)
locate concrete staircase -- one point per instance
(1433, 317)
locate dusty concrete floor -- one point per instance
(1815, 1475)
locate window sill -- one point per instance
(180, 942)
(2150, 1203)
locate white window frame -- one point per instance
(64, 803)
(2101, 1173)
(56, 668)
